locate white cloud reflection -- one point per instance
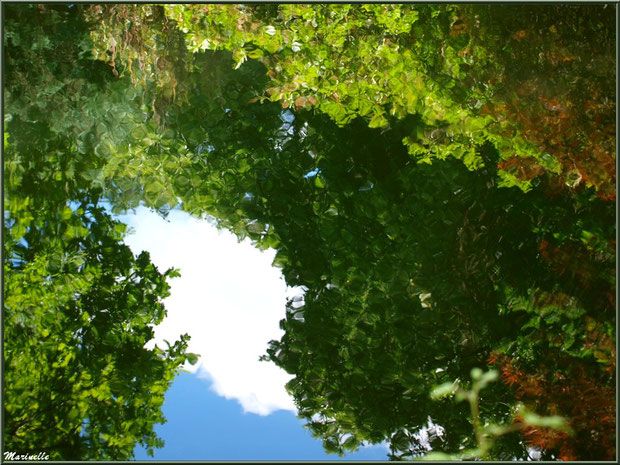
(229, 299)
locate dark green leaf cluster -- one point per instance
(405, 265)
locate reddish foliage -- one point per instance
(588, 406)
(581, 263)
(584, 147)
(601, 343)
(555, 101)
(572, 258)
(523, 168)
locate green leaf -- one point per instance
(318, 182)
(378, 121)
(192, 358)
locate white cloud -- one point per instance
(229, 299)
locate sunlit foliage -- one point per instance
(531, 80)
(78, 306)
(439, 178)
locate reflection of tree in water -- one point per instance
(441, 189)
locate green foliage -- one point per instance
(410, 269)
(370, 145)
(450, 64)
(64, 111)
(352, 60)
(79, 307)
(78, 310)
